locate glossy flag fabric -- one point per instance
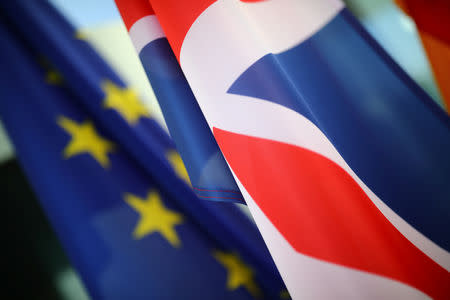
(342, 159)
(74, 125)
(209, 174)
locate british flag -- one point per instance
(342, 159)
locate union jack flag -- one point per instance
(342, 159)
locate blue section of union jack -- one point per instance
(386, 128)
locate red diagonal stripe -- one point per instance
(133, 10)
(176, 17)
(322, 212)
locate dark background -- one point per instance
(33, 259)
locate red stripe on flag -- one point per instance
(133, 10)
(322, 212)
(176, 17)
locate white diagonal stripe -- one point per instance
(145, 31)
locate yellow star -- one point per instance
(155, 218)
(239, 274)
(284, 294)
(124, 101)
(85, 140)
(80, 35)
(53, 77)
(175, 160)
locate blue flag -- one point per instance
(99, 165)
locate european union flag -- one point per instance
(102, 169)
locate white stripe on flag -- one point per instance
(310, 278)
(240, 33)
(144, 31)
(275, 122)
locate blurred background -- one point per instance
(35, 263)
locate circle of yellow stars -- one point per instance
(154, 216)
